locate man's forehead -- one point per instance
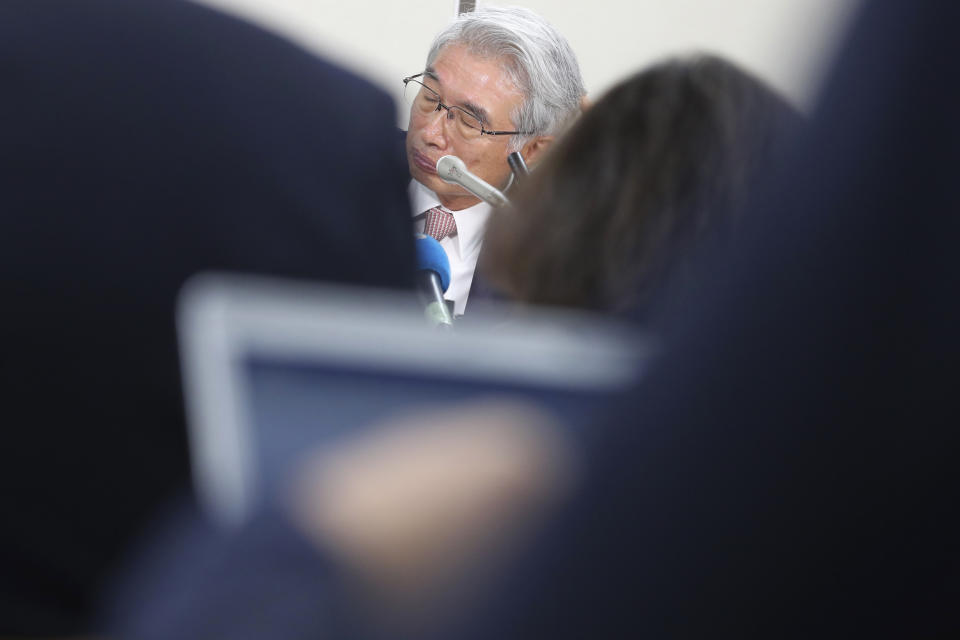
(457, 55)
(469, 105)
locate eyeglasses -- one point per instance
(423, 100)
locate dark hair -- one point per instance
(663, 158)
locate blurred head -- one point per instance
(663, 159)
(501, 69)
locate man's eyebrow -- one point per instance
(430, 73)
(478, 111)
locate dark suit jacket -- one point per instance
(142, 142)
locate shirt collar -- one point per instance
(471, 222)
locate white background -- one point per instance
(786, 42)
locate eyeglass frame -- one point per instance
(441, 105)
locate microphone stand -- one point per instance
(518, 166)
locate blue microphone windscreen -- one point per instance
(432, 257)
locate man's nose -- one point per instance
(436, 131)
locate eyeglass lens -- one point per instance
(425, 101)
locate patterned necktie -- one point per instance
(439, 224)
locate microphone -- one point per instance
(451, 169)
(518, 166)
(433, 278)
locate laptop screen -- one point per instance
(274, 371)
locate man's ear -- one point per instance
(533, 150)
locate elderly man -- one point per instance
(497, 80)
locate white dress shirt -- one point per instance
(463, 249)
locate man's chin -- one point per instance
(430, 180)
(445, 191)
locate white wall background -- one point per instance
(786, 42)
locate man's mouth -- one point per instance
(423, 162)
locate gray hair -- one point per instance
(539, 61)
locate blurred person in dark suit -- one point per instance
(787, 468)
(662, 162)
(144, 141)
